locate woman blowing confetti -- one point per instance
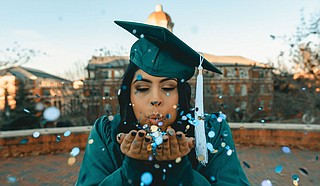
(158, 138)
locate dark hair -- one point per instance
(128, 119)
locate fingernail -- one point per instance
(141, 134)
(179, 136)
(133, 133)
(147, 139)
(165, 140)
(170, 132)
(119, 136)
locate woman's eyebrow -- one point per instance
(145, 80)
(167, 79)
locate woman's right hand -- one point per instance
(135, 144)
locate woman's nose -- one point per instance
(155, 103)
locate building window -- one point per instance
(262, 89)
(219, 89)
(243, 90)
(232, 91)
(231, 72)
(261, 74)
(91, 74)
(208, 90)
(262, 104)
(118, 73)
(243, 105)
(243, 73)
(106, 91)
(105, 75)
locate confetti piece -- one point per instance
(286, 149)
(266, 183)
(146, 178)
(75, 151)
(246, 164)
(90, 141)
(303, 171)
(26, 111)
(24, 141)
(278, 169)
(36, 134)
(51, 113)
(211, 134)
(67, 133)
(11, 179)
(72, 161)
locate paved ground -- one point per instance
(55, 170)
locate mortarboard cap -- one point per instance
(159, 52)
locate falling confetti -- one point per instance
(36, 134)
(266, 183)
(210, 147)
(90, 141)
(58, 139)
(75, 151)
(246, 164)
(51, 113)
(211, 134)
(110, 118)
(295, 177)
(286, 149)
(139, 77)
(278, 169)
(229, 152)
(146, 178)
(24, 141)
(26, 111)
(11, 179)
(303, 171)
(67, 133)
(71, 161)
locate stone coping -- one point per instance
(61, 130)
(44, 131)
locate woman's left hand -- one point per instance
(174, 145)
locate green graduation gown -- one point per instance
(104, 164)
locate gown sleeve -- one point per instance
(99, 165)
(223, 167)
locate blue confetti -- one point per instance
(286, 149)
(139, 77)
(146, 178)
(24, 141)
(278, 169)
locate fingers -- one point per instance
(137, 142)
(173, 145)
(127, 141)
(120, 137)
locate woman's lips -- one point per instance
(155, 120)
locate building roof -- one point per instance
(233, 60)
(108, 62)
(29, 73)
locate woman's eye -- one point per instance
(142, 89)
(168, 88)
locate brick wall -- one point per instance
(46, 143)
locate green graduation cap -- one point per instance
(160, 53)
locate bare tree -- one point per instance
(17, 56)
(301, 88)
(76, 72)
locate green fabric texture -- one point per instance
(104, 164)
(160, 53)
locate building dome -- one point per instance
(160, 18)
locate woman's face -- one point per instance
(154, 99)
